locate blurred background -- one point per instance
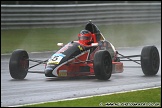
(40, 25)
(70, 2)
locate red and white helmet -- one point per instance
(85, 37)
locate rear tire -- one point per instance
(102, 65)
(150, 60)
(19, 64)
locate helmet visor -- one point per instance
(84, 38)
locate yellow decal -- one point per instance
(62, 73)
(80, 47)
(52, 62)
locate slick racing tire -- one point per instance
(19, 64)
(150, 60)
(102, 65)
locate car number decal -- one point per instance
(56, 58)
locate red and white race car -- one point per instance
(92, 54)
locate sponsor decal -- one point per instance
(62, 73)
(80, 47)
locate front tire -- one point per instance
(19, 64)
(102, 65)
(150, 60)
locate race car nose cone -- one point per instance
(48, 71)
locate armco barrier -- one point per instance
(46, 16)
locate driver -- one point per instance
(85, 37)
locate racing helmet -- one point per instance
(85, 37)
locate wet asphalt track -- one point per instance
(38, 88)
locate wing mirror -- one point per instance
(60, 44)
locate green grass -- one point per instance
(41, 39)
(46, 39)
(149, 96)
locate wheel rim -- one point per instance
(24, 64)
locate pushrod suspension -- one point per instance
(39, 62)
(129, 58)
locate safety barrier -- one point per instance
(47, 16)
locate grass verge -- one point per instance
(142, 98)
(46, 39)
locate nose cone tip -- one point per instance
(48, 73)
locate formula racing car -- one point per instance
(91, 54)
